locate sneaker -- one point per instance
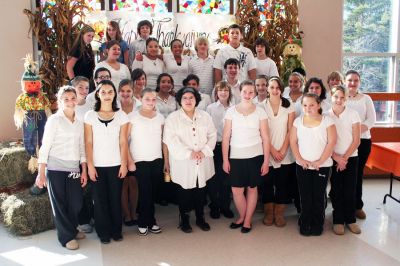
(143, 231)
(72, 245)
(85, 228)
(360, 214)
(155, 229)
(80, 235)
(354, 228)
(338, 229)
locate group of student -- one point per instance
(226, 125)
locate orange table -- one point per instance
(386, 156)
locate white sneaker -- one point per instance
(155, 229)
(143, 231)
(85, 228)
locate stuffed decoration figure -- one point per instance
(291, 58)
(30, 110)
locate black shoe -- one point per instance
(105, 240)
(184, 224)
(118, 238)
(245, 230)
(305, 231)
(215, 214)
(316, 231)
(130, 223)
(203, 225)
(227, 213)
(235, 225)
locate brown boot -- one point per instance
(278, 213)
(268, 214)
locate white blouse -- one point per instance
(205, 101)
(178, 73)
(116, 75)
(278, 129)
(365, 108)
(152, 68)
(183, 135)
(166, 107)
(217, 111)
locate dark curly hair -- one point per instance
(179, 94)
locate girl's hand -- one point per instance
(41, 180)
(84, 179)
(131, 166)
(92, 173)
(316, 164)
(123, 170)
(304, 163)
(264, 168)
(226, 166)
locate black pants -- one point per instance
(343, 190)
(363, 152)
(218, 187)
(275, 187)
(312, 190)
(107, 202)
(65, 194)
(190, 199)
(86, 213)
(148, 175)
(293, 186)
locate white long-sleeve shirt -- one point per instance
(364, 106)
(183, 135)
(63, 146)
(152, 68)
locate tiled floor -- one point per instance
(379, 243)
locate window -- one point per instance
(150, 6)
(224, 7)
(371, 46)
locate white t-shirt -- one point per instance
(266, 67)
(203, 68)
(146, 137)
(106, 150)
(365, 108)
(243, 54)
(246, 139)
(138, 45)
(116, 75)
(205, 101)
(278, 129)
(152, 68)
(313, 140)
(344, 128)
(217, 111)
(178, 73)
(81, 110)
(165, 108)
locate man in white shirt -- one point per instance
(235, 50)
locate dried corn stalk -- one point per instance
(55, 31)
(280, 24)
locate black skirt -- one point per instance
(246, 172)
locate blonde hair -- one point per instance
(221, 85)
(340, 88)
(64, 89)
(201, 40)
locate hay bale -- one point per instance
(24, 214)
(14, 166)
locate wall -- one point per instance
(320, 20)
(15, 45)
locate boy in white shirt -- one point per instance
(235, 50)
(144, 30)
(193, 81)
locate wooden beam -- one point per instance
(384, 96)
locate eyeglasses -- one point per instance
(104, 77)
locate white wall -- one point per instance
(15, 44)
(320, 20)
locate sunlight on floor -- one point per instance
(33, 256)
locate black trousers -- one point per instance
(218, 187)
(190, 199)
(293, 186)
(275, 188)
(343, 191)
(148, 175)
(65, 194)
(312, 190)
(107, 202)
(363, 152)
(86, 213)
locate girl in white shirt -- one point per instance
(364, 106)
(150, 63)
(245, 139)
(129, 196)
(145, 158)
(166, 103)
(218, 187)
(139, 79)
(312, 139)
(261, 87)
(61, 153)
(295, 89)
(106, 140)
(265, 65)
(176, 64)
(193, 81)
(190, 136)
(81, 86)
(118, 70)
(315, 86)
(276, 184)
(344, 170)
